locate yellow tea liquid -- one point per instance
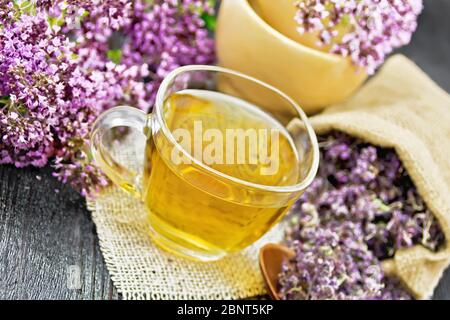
(207, 212)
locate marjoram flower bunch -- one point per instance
(62, 63)
(366, 31)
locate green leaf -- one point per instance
(345, 21)
(210, 21)
(21, 109)
(4, 100)
(115, 55)
(381, 205)
(55, 21)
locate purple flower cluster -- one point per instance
(34, 85)
(158, 36)
(62, 63)
(360, 209)
(167, 38)
(364, 30)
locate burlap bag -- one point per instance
(402, 108)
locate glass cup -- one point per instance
(198, 206)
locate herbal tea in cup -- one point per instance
(220, 168)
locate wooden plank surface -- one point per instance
(48, 245)
(47, 239)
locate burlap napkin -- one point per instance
(140, 270)
(404, 109)
(400, 108)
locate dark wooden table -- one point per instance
(46, 236)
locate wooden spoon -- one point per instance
(271, 257)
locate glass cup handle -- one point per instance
(123, 116)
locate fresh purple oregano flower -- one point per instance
(366, 31)
(62, 63)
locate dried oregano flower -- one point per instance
(360, 209)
